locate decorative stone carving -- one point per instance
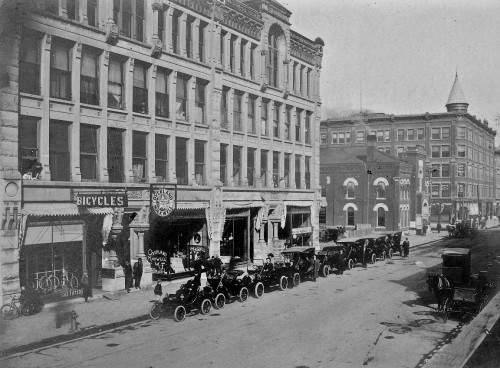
(156, 48)
(48, 42)
(111, 32)
(216, 215)
(263, 87)
(157, 5)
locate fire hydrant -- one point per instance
(74, 323)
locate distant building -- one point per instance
(153, 129)
(496, 210)
(459, 150)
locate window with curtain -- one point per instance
(139, 155)
(237, 166)
(29, 64)
(60, 70)
(140, 96)
(199, 162)
(199, 102)
(89, 77)
(88, 152)
(263, 168)
(181, 98)
(115, 84)
(251, 115)
(162, 89)
(237, 110)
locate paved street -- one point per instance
(381, 317)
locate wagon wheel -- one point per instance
(350, 264)
(325, 271)
(220, 301)
(258, 290)
(243, 296)
(179, 313)
(155, 311)
(206, 305)
(374, 258)
(446, 310)
(296, 279)
(390, 254)
(283, 282)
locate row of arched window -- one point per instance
(379, 208)
(380, 185)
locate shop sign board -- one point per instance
(163, 199)
(158, 260)
(101, 200)
(301, 230)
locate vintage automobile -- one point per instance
(331, 233)
(393, 242)
(268, 276)
(378, 246)
(232, 283)
(350, 245)
(329, 259)
(297, 262)
(457, 265)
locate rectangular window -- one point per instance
(59, 153)
(237, 110)
(251, 124)
(115, 156)
(175, 33)
(435, 133)
(276, 120)
(348, 137)
(237, 166)
(308, 82)
(264, 123)
(139, 156)
(435, 151)
(288, 123)
(199, 162)
(223, 163)
(181, 160)
(140, 91)
(189, 37)
(435, 171)
(307, 130)
(341, 138)
(162, 89)
(400, 151)
(461, 170)
(161, 158)
(115, 84)
(445, 133)
(380, 135)
(276, 169)
(232, 51)
(263, 168)
(360, 137)
(89, 77)
(298, 174)
(445, 151)
(286, 167)
(72, 9)
(445, 170)
(201, 41)
(420, 134)
(252, 62)
(91, 12)
(323, 138)
(60, 70)
(223, 35)
(308, 172)
(301, 79)
(387, 135)
(461, 151)
(126, 18)
(139, 20)
(51, 6)
(294, 76)
(243, 47)
(181, 97)
(29, 64)
(224, 109)
(88, 152)
(435, 191)
(298, 125)
(272, 60)
(445, 190)
(335, 138)
(461, 133)
(251, 167)
(28, 144)
(161, 26)
(199, 102)
(401, 135)
(410, 134)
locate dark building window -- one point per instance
(199, 102)
(115, 156)
(60, 70)
(350, 216)
(72, 9)
(237, 166)
(276, 120)
(273, 57)
(161, 157)
(307, 131)
(181, 98)
(140, 98)
(115, 84)
(251, 166)
(89, 77)
(28, 144)
(223, 35)
(298, 175)
(297, 126)
(181, 160)
(189, 37)
(251, 115)
(264, 121)
(201, 41)
(139, 156)
(199, 162)
(223, 163)
(175, 32)
(59, 154)
(286, 167)
(263, 168)
(237, 110)
(161, 26)
(243, 46)
(162, 89)
(88, 152)
(252, 62)
(288, 123)
(276, 169)
(224, 109)
(232, 61)
(381, 217)
(92, 13)
(128, 15)
(29, 64)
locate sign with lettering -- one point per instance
(163, 199)
(101, 200)
(301, 230)
(158, 260)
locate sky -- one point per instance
(403, 55)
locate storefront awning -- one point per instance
(50, 209)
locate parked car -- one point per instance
(350, 246)
(297, 263)
(329, 258)
(393, 242)
(378, 246)
(331, 233)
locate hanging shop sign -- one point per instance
(301, 230)
(163, 199)
(101, 200)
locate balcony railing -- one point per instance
(140, 104)
(29, 78)
(161, 105)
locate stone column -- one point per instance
(275, 230)
(195, 33)
(127, 147)
(237, 55)
(183, 24)
(261, 232)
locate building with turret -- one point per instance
(152, 129)
(459, 150)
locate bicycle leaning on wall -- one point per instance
(29, 303)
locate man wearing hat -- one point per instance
(269, 262)
(137, 273)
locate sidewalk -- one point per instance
(105, 311)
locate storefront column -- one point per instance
(147, 272)
(275, 231)
(261, 233)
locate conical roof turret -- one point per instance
(456, 101)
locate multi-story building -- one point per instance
(459, 149)
(176, 126)
(496, 209)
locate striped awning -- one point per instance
(61, 209)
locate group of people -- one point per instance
(133, 275)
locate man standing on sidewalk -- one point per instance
(138, 273)
(127, 270)
(406, 248)
(365, 254)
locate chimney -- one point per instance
(370, 147)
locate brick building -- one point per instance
(175, 126)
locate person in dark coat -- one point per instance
(406, 248)
(269, 265)
(365, 254)
(316, 264)
(87, 290)
(340, 262)
(137, 273)
(438, 227)
(127, 270)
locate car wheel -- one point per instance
(220, 301)
(155, 311)
(296, 279)
(258, 290)
(243, 296)
(390, 254)
(206, 305)
(374, 258)
(179, 313)
(350, 264)
(325, 271)
(283, 282)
